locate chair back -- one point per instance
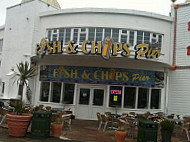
(107, 113)
(98, 116)
(103, 118)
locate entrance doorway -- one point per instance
(90, 100)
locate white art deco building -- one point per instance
(97, 60)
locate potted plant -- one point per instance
(57, 126)
(18, 122)
(120, 134)
(167, 128)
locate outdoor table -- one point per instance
(177, 121)
(114, 118)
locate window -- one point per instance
(3, 87)
(83, 33)
(146, 37)
(61, 34)
(1, 45)
(68, 93)
(131, 38)
(49, 35)
(44, 95)
(124, 36)
(139, 37)
(143, 98)
(154, 38)
(155, 99)
(98, 97)
(56, 92)
(68, 36)
(84, 96)
(91, 34)
(99, 32)
(115, 35)
(55, 34)
(115, 96)
(107, 33)
(75, 35)
(129, 97)
(160, 40)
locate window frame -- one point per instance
(56, 31)
(50, 95)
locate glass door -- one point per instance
(90, 101)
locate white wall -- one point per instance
(111, 18)
(179, 80)
(20, 26)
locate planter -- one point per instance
(120, 135)
(166, 136)
(56, 129)
(18, 124)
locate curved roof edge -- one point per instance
(2, 27)
(106, 10)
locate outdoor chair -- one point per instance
(186, 127)
(66, 118)
(132, 128)
(99, 120)
(106, 120)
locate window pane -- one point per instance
(56, 92)
(160, 40)
(91, 34)
(123, 38)
(75, 36)
(99, 32)
(146, 37)
(115, 96)
(155, 99)
(44, 91)
(98, 97)
(107, 33)
(143, 98)
(84, 96)
(131, 38)
(115, 35)
(139, 37)
(68, 93)
(61, 34)
(82, 37)
(68, 35)
(154, 40)
(54, 37)
(49, 35)
(129, 97)
(3, 87)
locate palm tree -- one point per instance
(25, 73)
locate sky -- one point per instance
(157, 6)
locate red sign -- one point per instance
(117, 92)
(188, 50)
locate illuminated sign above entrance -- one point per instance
(105, 49)
(116, 92)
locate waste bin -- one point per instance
(41, 125)
(147, 131)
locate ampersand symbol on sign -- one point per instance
(85, 75)
(71, 49)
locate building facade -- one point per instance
(90, 60)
